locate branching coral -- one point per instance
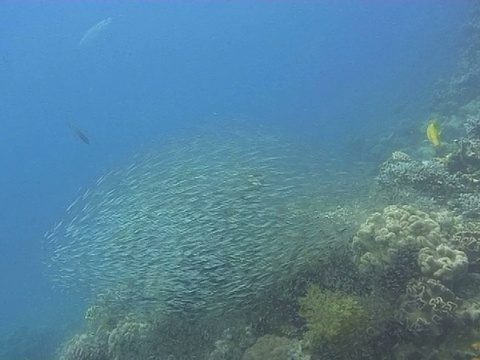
(453, 180)
(129, 340)
(467, 204)
(332, 317)
(472, 128)
(428, 177)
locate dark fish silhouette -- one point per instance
(79, 133)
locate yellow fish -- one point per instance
(433, 133)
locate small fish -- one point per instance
(95, 31)
(79, 133)
(433, 133)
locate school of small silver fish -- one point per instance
(210, 223)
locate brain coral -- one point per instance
(380, 239)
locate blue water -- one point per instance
(320, 70)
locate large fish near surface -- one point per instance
(95, 31)
(81, 135)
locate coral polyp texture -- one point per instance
(472, 127)
(333, 318)
(443, 263)
(428, 307)
(85, 347)
(469, 243)
(452, 180)
(398, 228)
(430, 177)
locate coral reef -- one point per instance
(430, 177)
(138, 336)
(174, 242)
(129, 341)
(449, 350)
(469, 312)
(472, 128)
(427, 307)
(332, 317)
(275, 348)
(452, 180)
(469, 243)
(380, 239)
(465, 159)
(233, 343)
(467, 205)
(443, 263)
(86, 347)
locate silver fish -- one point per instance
(95, 31)
(209, 223)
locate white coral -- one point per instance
(384, 235)
(443, 263)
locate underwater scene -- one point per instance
(240, 180)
